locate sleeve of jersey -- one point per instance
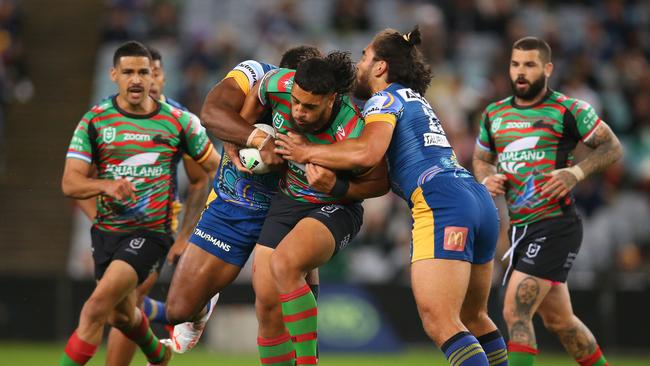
(246, 74)
(586, 118)
(382, 107)
(80, 146)
(268, 84)
(198, 143)
(483, 139)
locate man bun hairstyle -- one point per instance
(130, 49)
(297, 55)
(534, 43)
(405, 62)
(334, 73)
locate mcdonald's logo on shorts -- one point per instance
(455, 238)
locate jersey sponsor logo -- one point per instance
(108, 134)
(277, 120)
(136, 137)
(288, 84)
(344, 243)
(136, 243)
(411, 96)
(455, 238)
(518, 125)
(139, 165)
(340, 132)
(374, 105)
(434, 139)
(216, 242)
(517, 153)
(249, 71)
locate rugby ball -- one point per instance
(250, 157)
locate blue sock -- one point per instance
(155, 310)
(495, 348)
(464, 350)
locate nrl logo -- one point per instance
(495, 125)
(108, 134)
(277, 120)
(137, 243)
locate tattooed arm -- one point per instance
(485, 171)
(606, 150)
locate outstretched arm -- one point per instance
(363, 152)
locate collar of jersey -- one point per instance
(133, 115)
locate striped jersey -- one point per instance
(144, 149)
(275, 93)
(531, 142)
(250, 191)
(419, 149)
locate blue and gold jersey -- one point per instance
(252, 191)
(419, 149)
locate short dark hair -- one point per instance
(334, 73)
(155, 54)
(534, 43)
(296, 55)
(405, 62)
(130, 48)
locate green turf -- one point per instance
(34, 354)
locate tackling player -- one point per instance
(455, 221)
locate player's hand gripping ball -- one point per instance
(251, 158)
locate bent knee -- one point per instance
(282, 266)
(120, 320)
(556, 323)
(475, 320)
(180, 310)
(96, 310)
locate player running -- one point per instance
(306, 226)
(135, 142)
(524, 151)
(455, 221)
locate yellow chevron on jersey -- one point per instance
(384, 117)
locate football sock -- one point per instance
(150, 345)
(495, 348)
(77, 351)
(301, 318)
(155, 310)
(595, 359)
(464, 350)
(278, 351)
(521, 354)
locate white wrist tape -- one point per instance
(575, 170)
(250, 138)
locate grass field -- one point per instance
(47, 354)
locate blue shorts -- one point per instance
(228, 231)
(454, 218)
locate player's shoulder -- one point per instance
(177, 114)
(254, 69)
(174, 103)
(382, 102)
(101, 108)
(498, 104)
(572, 104)
(279, 81)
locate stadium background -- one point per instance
(55, 61)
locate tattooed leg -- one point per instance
(557, 313)
(523, 296)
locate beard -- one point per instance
(362, 87)
(533, 90)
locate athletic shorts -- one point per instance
(342, 220)
(454, 218)
(143, 250)
(228, 231)
(547, 248)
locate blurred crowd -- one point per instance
(601, 53)
(15, 84)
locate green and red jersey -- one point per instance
(346, 122)
(531, 142)
(144, 149)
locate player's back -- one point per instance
(419, 149)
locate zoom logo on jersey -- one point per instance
(216, 242)
(136, 137)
